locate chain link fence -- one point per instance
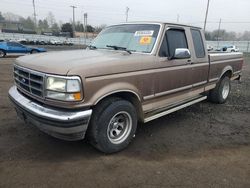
(35, 37)
(244, 46)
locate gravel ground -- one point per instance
(205, 145)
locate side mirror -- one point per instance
(181, 53)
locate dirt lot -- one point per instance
(205, 145)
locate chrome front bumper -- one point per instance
(63, 124)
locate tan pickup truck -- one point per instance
(131, 72)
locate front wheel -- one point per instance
(221, 92)
(112, 125)
(2, 53)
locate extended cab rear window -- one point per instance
(198, 43)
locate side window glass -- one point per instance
(10, 43)
(198, 43)
(176, 39)
(16, 44)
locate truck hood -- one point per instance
(85, 63)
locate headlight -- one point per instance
(64, 88)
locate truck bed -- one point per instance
(221, 62)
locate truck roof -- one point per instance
(158, 22)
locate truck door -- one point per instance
(175, 75)
(200, 63)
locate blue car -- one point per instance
(15, 47)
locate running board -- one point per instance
(171, 110)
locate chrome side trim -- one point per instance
(44, 112)
(173, 91)
(199, 83)
(174, 109)
(213, 79)
(148, 97)
(237, 72)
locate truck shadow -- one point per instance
(183, 134)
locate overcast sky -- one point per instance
(235, 14)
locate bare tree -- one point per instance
(51, 19)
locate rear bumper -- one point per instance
(63, 124)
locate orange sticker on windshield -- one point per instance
(145, 40)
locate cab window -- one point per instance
(173, 39)
(198, 43)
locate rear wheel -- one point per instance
(34, 51)
(112, 125)
(2, 53)
(221, 92)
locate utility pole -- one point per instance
(34, 8)
(218, 35)
(73, 24)
(127, 9)
(205, 23)
(178, 18)
(85, 25)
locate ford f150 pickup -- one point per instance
(131, 72)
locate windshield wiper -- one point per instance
(119, 48)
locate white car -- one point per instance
(230, 49)
(209, 48)
(55, 42)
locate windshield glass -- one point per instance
(133, 37)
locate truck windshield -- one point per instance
(132, 37)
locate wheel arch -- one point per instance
(227, 71)
(128, 95)
(34, 49)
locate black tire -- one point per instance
(101, 129)
(217, 95)
(34, 51)
(2, 53)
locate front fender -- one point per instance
(111, 89)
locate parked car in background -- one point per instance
(22, 41)
(68, 43)
(15, 47)
(55, 42)
(230, 49)
(209, 48)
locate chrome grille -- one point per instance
(29, 81)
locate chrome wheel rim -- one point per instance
(119, 127)
(225, 90)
